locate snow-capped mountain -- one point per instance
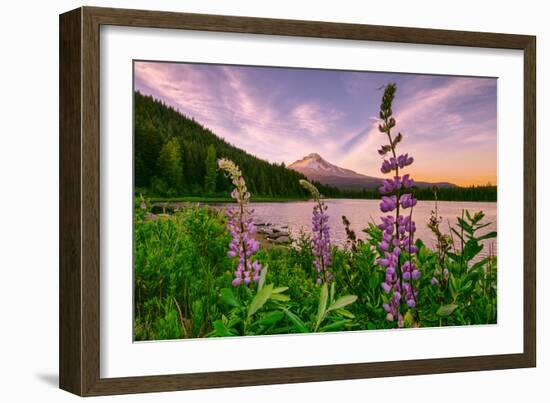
(316, 168)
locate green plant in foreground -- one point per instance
(182, 277)
(328, 309)
(251, 313)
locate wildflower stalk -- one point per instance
(350, 234)
(443, 243)
(241, 226)
(397, 230)
(320, 235)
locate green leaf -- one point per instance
(263, 275)
(342, 302)
(423, 253)
(453, 286)
(334, 326)
(280, 297)
(471, 249)
(492, 234)
(457, 233)
(408, 320)
(322, 308)
(446, 310)
(454, 256)
(279, 290)
(260, 299)
(228, 297)
(466, 287)
(221, 330)
(270, 319)
(345, 313)
(296, 321)
(480, 226)
(480, 264)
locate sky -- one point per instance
(449, 123)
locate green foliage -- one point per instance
(183, 282)
(323, 310)
(170, 165)
(210, 168)
(467, 294)
(175, 260)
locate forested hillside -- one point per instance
(176, 156)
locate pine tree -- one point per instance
(210, 167)
(170, 164)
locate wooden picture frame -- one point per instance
(79, 279)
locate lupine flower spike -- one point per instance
(397, 229)
(320, 235)
(241, 227)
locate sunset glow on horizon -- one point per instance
(282, 114)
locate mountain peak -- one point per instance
(313, 156)
(316, 168)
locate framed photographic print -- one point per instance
(249, 201)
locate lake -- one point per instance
(297, 215)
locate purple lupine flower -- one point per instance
(397, 244)
(407, 181)
(404, 160)
(389, 203)
(241, 226)
(407, 200)
(390, 185)
(387, 186)
(320, 235)
(386, 167)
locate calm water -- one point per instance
(297, 215)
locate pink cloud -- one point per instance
(278, 122)
(422, 116)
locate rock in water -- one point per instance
(282, 240)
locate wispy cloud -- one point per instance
(282, 114)
(445, 128)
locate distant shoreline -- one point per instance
(220, 199)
